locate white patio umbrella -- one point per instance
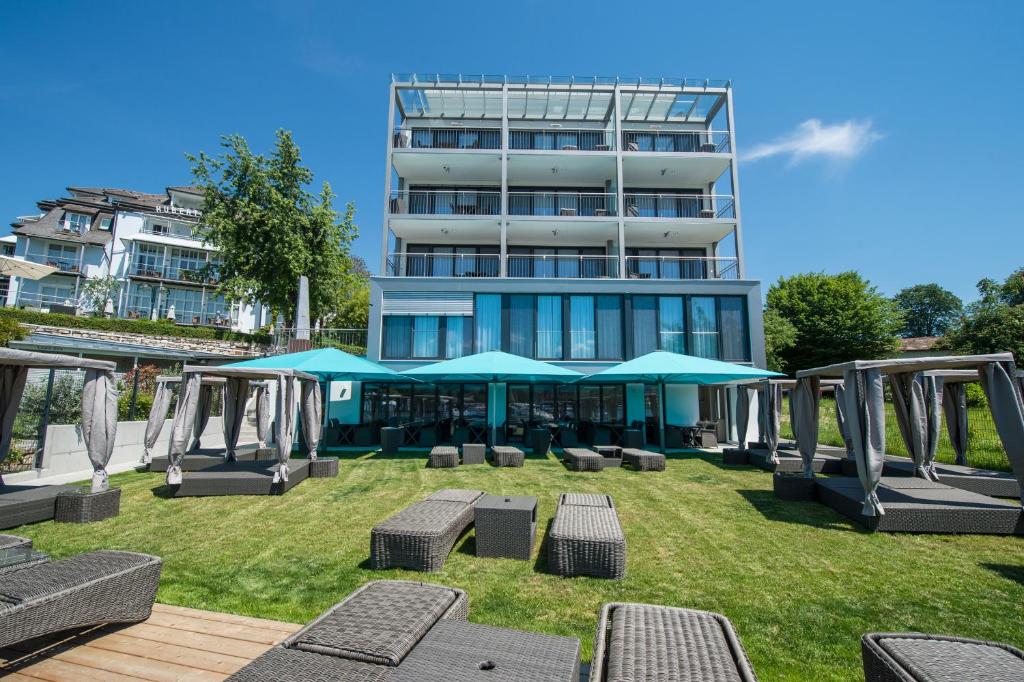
(15, 267)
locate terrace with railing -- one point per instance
(452, 137)
(561, 139)
(66, 264)
(558, 203)
(445, 202)
(674, 205)
(676, 141)
(158, 268)
(560, 266)
(681, 267)
(178, 231)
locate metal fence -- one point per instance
(984, 449)
(349, 340)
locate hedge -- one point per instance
(148, 327)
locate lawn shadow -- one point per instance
(1010, 572)
(404, 453)
(164, 491)
(541, 564)
(468, 546)
(40, 649)
(802, 513)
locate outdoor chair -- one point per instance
(89, 589)
(639, 642)
(916, 657)
(421, 536)
(586, 538)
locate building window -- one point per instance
(671, 324)
(64, 258)
(609, 327)
(645, 325)
(488, 322)
(397, 330)
(76, 222)
(703, 327)
(57, 295)
(456, 331)
(149, 261)
(732, 321)
(105, 224)
(425, 336)
(581, 328)
(520, 325)
(188, 305)
(549, 327)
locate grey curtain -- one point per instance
(157, 416)
(915, 400)
(865, 419)
(792, 415)
(263, 414)
(807, 395)
(99, 422)
(744, 396)
(284, 425)
(184, 425)
(954, 406)
(769, 417)
(12, 387)
(203, 412)
(236, 392)
(840, 393)
(1007, 406)
(312, 416)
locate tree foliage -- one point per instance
(10, 330)
(271, 230)
(779, 337)
(994, 323)
(96, 291)
(928, 310)
(836, 318)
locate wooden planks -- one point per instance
(174, 644)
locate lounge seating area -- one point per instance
(421, 536)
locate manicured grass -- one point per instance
(800, 583)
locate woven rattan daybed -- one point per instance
(643, 460)
(422, 535)
(21, 504)
(915, 657)
(582, 459)
(586, 538)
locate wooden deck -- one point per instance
(175, 643)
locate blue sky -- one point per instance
(911, 172)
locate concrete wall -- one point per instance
(65, 459)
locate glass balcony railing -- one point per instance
(670, 205)
(443, 265)
(562, 139)
(680, 267)
(190, 232)
(68, 264)
(159, 269)
(561, 204)
(674, 141)
(445, 202)
(453, 137)
(562, 266)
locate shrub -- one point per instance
(10, 330)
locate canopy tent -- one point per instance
(770, 414)
(99, 403)
(237, 383)
(492, 367)
(663, 367)
(161, 403)
(914, 380)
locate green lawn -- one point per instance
(799, 582)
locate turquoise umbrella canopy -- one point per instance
(327, 364)
(675, 368)
(493, 367)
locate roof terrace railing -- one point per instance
(676, 141)
(491, 79)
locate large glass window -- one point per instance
(549, 327)
(590, 403)
(474, 403)
(188, 305)
(645, 325)
(488, 322)
(455, 336)
(520, 325)
(613, 404)
(425, 336)
(671, 324)
(703, 327)
(77, 222)
(397, 336)
(581, 328)
(732, 322)
(609, 327)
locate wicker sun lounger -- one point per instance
(507, 456)
(16, 553)
(581, 459)
(913, 657)
(639, 642)
(88, 589)
(21, 504)
(443, 456)
(421, 536)
(586, 538)
(643, 460)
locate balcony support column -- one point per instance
(392, 94)
(738, 232)
(619, 196)
(503, 241)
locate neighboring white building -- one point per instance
(151, 243)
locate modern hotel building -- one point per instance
(580, 221)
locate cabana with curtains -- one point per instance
(767, 454)
(913, 504)
(26, 504)
(233, 477)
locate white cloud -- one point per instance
(841, 141)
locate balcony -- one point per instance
(158, 269)
(443, 265)
(561, 139)
(445, 202)
(220, 318)
(676, 142)
(447, 138)
(681, 267)
(189, 232)
(65, 264)
(685, 206)
(561, 204)
(561, 266)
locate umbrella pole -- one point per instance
(664, 413)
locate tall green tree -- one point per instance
(270, 229)
(836, 318)
(995, 322)
(928, 309)
(779, 337)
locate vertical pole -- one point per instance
(392, 94)
(664, 413)
(135, 392)
(45, 421)
(620, 196)
(741, 265)
(503, 238)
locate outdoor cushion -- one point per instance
(379, 624)
(58, 576)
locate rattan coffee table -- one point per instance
(505, 526)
